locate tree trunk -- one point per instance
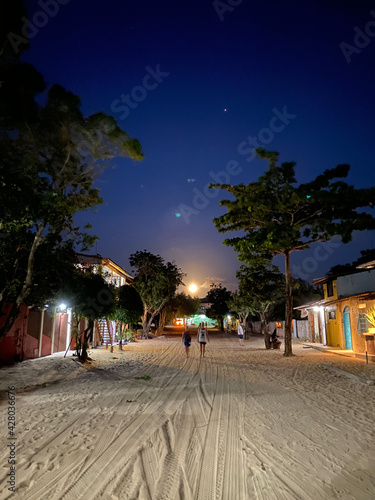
(251, 327)
(288, 306)
(264, 330)
(86, 335)
(147, 324)
(162, 321)
(243, 317)
(12, 316)
(146, 329)
(221, 323)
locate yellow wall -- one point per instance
(334, 331)
(334, 296)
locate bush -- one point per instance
(130, 335)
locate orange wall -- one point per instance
(358, 339)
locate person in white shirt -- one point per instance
(202, 338)
(240, 333)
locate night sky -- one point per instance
(219, 77)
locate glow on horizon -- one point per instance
(193, 288)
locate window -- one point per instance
(332, 315)
(362, 323)
(330, 289)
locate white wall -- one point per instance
(302, 328)
(356, 283)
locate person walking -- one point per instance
(186, 339)
(202, 338)
(240, 333)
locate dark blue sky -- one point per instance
(259, 61)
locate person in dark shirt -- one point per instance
(186, 339)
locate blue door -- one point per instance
(347, 329)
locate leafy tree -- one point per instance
(303, 293)
(240, 305)
(341, 269)
(91, 297)
(165, 316)
(156, 282)
(220, 297)
(280, 217)
(262, 284)
(181, 305)
(366, 256)
(186, 305)
(55, 264)
(51, 155)
(129, 309)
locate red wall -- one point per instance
(22, 341)
(13, 344)
(46, 345)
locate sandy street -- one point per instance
(147, 423)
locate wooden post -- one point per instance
(69, 330)
(53, 330)
(41, 333)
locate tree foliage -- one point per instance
(180, 306)
(262, 285)
(240, 305)
(280, 216)
(128, 310)
(89, 296)
(303, 293)
(185, 305)
(366, 256)
(51, 156)
(129, 304)
(219, 297)
(156, 281)
(54, 267)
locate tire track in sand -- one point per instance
(50, 480)
(138, 431)
(208, 474)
